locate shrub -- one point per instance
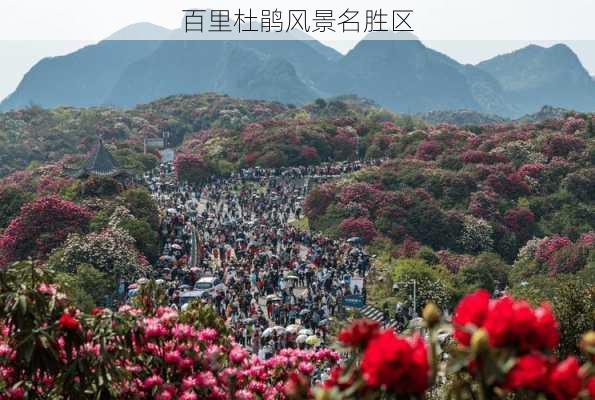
(41, 226)
(360, 227)
(318, 200)
(142, 206)
(432, 284)
(477, 235)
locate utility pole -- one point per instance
(412, 282)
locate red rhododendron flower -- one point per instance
(336, 379)
(591, 387)
(529, 372)
(68, 322)
(359, 333)
(400, 364)
(516, 324)
(471, 310)
(97, 310)
(547, 326)
(564, 380)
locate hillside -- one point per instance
(461, 118)
(34, 135)
(464, 214)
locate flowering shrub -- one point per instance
(362, 193)
(549, 245)
(309, 154)
(41, 226)
(506, 343)
(110, 250)
(127, 354)
(572, 125)
(428, 150)
(360, 227)
(49, 350)
(557, 254)
(319, 199)
(477, 235)
(191, 168)
(562, 145)
(520, 221)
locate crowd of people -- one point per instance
(234, 242)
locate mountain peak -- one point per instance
(141, 31)
(535, 75)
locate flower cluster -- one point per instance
(507, 322)
(41, 226)
(110, 250)
(504, 328)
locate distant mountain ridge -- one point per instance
(401, 75)
(535, 76)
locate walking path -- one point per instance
(229, 242)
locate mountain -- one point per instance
(82, 78)
(237, 68)
(402, 75)
(534, 76)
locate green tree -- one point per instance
(87, 287)
(488, 271)
(11, 201)
(433, 284)
(141, 205)
(146, 239)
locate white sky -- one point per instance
(467, 30)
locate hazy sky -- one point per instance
(467, 30)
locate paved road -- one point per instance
(167, 155)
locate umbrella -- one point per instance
(267, 332)
(172, 210)
(312, 340)
(279, 329)
(354, 252)
(306, 332)
(355, 239)
(176, 246)
(294, 328)
(301, 339)
(305, 311)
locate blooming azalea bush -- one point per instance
(358, 227)
(502, 349)
(110, 250)
(41, 226)
(555, 254)
(191, 168)
(50, 350)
